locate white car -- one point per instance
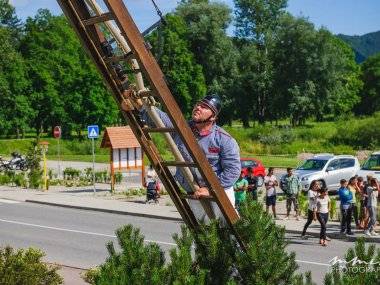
(371, 166)
(327, 169)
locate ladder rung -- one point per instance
(159, 130)
(180, 163)
(115, 59)
(98, 19)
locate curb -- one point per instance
(106, 210)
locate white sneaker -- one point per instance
(298, 218)
(286, 218)
(373, 233)
(367, 233)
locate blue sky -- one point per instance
(351, 17)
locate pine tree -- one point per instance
(366, 269)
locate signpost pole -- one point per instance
(59, 159)
(93, 164)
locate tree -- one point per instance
(315, 72)
(370, 95)
(210, 255)
(206, 23)
(65, 87)
(16, 109)
(183, 74)
(256, 23)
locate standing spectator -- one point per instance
(152, 175)
(352, 186)
(252, 183)
(312, 209)
(323, 207)
(372, 193)
(292, 188)
(345, 197)
(270, 182)
(240, 188)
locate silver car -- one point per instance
(328, 169)
(371, 166)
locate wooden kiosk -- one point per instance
(126, 152)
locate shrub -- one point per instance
(71, 173)
(26, 267)
(102, 176)
(367, 271)
(303, 203)
(209, 256)
(118, 177)
(4, 179)
(35, 178)
(20, 180)
(333, 208)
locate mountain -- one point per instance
(363, 46)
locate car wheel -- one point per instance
(260, 181)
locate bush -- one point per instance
(367, 271)
(333, 208)
(20, 180)
(102, 177)
(5, 179)
(118, 177)
(35, 178)
(26, 267)
(360, 133)
(71, 173)
(209, 256)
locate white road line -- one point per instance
(312, 262)
(76, 231)
(6, 201)
(113, 236)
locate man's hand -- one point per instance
(201, 192)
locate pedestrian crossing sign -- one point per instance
(93, 131)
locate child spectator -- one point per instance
(252, 183)
(240, 188)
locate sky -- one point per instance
(350, 17)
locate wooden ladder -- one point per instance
(90, 28)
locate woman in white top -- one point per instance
(312, 210)
(323, 207)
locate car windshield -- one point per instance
(372, 163)
(248, 163)
(313, 164)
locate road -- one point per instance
(77, 238)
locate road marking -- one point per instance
(6, 201)
(76, 231)
(312, 262)
(113, 236)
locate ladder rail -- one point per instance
(91, 37)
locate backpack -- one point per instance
(151, 186)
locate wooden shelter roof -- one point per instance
(119, 137)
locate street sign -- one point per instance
(57, 132)
(93, 132)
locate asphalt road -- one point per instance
(77, 238)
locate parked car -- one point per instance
(258, 168)
(328, 169)
(371, 166)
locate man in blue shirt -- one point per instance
(345, 196)
(221, 150)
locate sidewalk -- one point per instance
(84, 198)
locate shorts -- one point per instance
(270, 200)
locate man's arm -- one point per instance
(230, 162)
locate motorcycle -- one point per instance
(17, 162)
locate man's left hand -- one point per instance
(201, 192)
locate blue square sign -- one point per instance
(93, 131)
